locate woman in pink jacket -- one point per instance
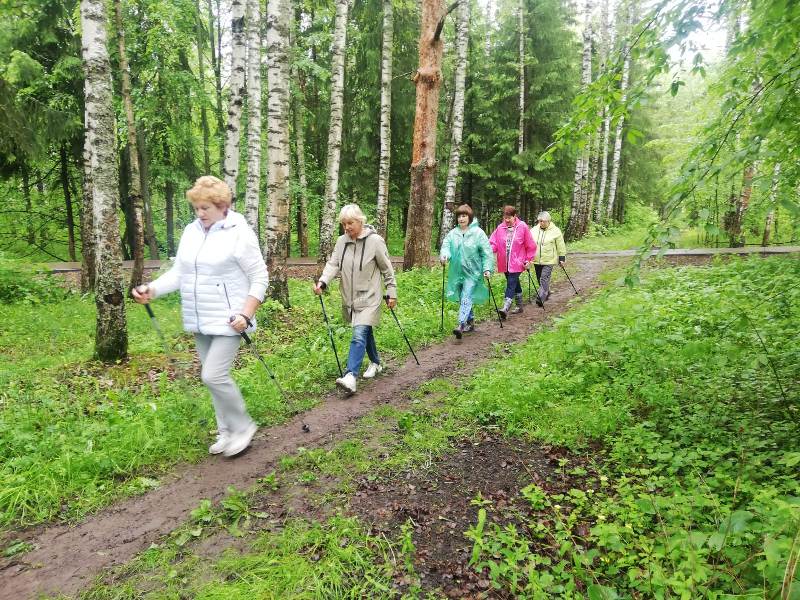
(513, 244)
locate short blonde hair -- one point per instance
(352, 212)
(210, 189)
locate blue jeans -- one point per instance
(513, 286)
(363, 341)
(465, 307)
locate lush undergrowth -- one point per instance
(693, 490)
(74, 435)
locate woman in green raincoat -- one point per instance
(471, 260)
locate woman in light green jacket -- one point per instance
(552, 250)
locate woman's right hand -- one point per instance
(142, 294)
(443, 261)
(317, 289)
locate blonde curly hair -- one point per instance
(210, 189)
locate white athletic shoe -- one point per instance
(239, 442)
(372, 370)
(347, 383)
(219, 446)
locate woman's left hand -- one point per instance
(391, 302)
(238, 323)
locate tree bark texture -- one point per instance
(302, 204)
(428, 80)
(149, 228)
(111, 336)
(773, 196)
(233, 131)
(135, 181)
(741, 203)
(521, 35)
(334, 131)
(576, 227)
(253, 188)
(201, 76)
(626, 68)
(87, 221)
(462, 40)
(605, 49)
(382, 211)
(216, 60)
(277, 222)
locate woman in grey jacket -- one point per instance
(361, 257)
(222, 278)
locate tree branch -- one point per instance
(440, 25)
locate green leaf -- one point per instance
(601, 592)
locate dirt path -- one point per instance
(65, 558)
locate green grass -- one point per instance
(75, 435)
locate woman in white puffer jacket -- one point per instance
(222, 278)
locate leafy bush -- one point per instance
(20, 282)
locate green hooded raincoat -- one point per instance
(470, 255)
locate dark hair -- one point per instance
(464, 209)
(509, 211)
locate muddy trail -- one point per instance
(67, 558)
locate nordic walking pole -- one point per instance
(142, 289)
(441, 322)
(563, 268)
(401, 329)
(330, 335)
(491, 293)
(530, 281)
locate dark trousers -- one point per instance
(513, 286)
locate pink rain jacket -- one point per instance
(523, 248)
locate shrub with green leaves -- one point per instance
(21, 282)
(690, 383)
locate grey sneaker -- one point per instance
(372, 370)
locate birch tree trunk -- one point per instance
(201, 76)
(233, 132)
(276, 246)
(111, 336)
(521, 34)
(334, 131)
(428, 80)
(626, 67)
(64, 164)
(462, 40)
(773, 196)
(302, 204)
(386, 119)
(216, 59)
(251, 199)
(87, 221)
(135, 187)
(576, 226)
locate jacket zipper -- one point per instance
(196, 312)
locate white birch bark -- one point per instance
(252, 191)
(334, 131)
(575, 226)
(233, 132)
(111, 336)
(626, 67)
(386, 119)
(605, 50)
(300, 146)
(462, 40)
(521, 33)
(276, 247)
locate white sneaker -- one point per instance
(347, 383)
(219, 446)
(239, 442)
(372, 370)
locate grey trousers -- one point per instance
(543, 273)
(217, 353)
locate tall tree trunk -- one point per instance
(201, 76)
(773, 195)
(382, 211)
(521, 36)
(147, 204)
(216, 65)
(251, 202)
(87, 221)
(462, 40)
(111, 335)
(169, 215)
(279, 15)
(428, 80)
(302, 204)
(740, 204)
(576, 226)
(605, 51)
(233, 132)
(135, 182)
(623, 88)
(62, 153)
(334, 131)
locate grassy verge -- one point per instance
(669, 387)
(75, 435)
